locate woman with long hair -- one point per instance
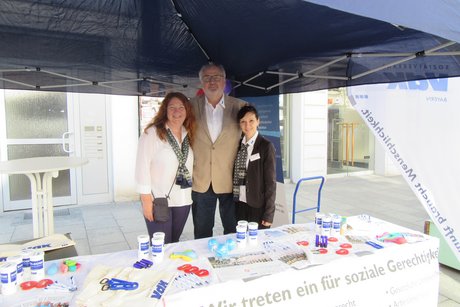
(164, 165)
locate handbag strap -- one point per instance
(174, 180)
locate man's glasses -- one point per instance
(215, 78)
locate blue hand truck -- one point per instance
(317, 207)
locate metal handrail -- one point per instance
(317, 207)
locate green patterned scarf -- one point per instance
(183, 177)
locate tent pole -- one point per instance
(326, 77)
(65, 85)
(413, 56)
(17, 82)
(326, 65)
(281, 83)
(61, 75)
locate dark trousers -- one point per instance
(173, 227)
(250, 214)
(204, 210)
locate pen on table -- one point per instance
(374, 245)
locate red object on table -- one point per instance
(27, 285)
(342, 251)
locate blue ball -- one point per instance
(52, 269)
(222, 251)
(231, 244)
(212, 244)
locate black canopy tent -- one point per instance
(269, 47)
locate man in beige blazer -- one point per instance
(215, 146)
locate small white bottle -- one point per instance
(252, 233)
(8, 273)
(241, 236)
(326, 226)
(336, 225)
(318, 222)
(143, 247)
(19, 267)
(158, 240)
(37, 267)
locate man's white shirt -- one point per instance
(214, 118)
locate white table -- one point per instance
(41, 171)
(397, 275)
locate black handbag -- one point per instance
(161, 207)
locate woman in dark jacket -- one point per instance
(254, 172)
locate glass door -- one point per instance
(36, 124)
(350, 144)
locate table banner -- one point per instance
(408, 276)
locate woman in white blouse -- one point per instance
(164, 165)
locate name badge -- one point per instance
(254, 157)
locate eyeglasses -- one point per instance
(215, 78)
